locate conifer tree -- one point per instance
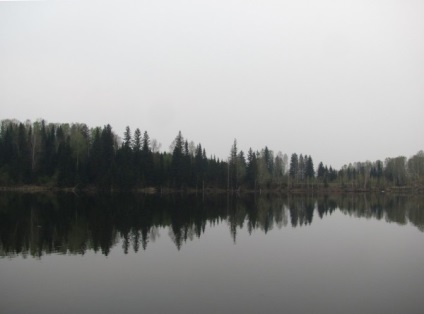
(177, 163)
(294, 166)
(137, 140)
(310, 171)
(127, 138)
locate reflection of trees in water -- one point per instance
(264, 213)
(41, 224)
(393, 208)
(301, 210)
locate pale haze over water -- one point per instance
(339, 80)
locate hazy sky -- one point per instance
(342, 81)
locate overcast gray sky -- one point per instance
(342, 81)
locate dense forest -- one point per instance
(53, 155)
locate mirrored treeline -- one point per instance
(39, 224)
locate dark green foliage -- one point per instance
(177, 163)
(251, 168)
(127, 138)
(137, 140)
(200, 166)
(321, 173)
(294, 165)
(269, 160)
(70, 155)
(309, 172)
(65, 166)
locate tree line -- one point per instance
(74, 155)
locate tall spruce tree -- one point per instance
(294, 166)
(310, 171)
(251, 168)
(177, 163)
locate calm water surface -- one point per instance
(139, 254)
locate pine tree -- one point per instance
(321, 171)
(232, 166)
(294, 166)
(137, 157)
(146, 143)
(310, 172)
(269, 160)
(127, 138)
(137, 140)
(301, 169)
(177, 160)
(199, 166)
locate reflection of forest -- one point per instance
(41, 224)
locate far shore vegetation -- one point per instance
(40, 156)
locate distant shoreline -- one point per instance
(209, 191)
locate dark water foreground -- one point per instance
(132, 254)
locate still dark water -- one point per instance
(146, 254)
